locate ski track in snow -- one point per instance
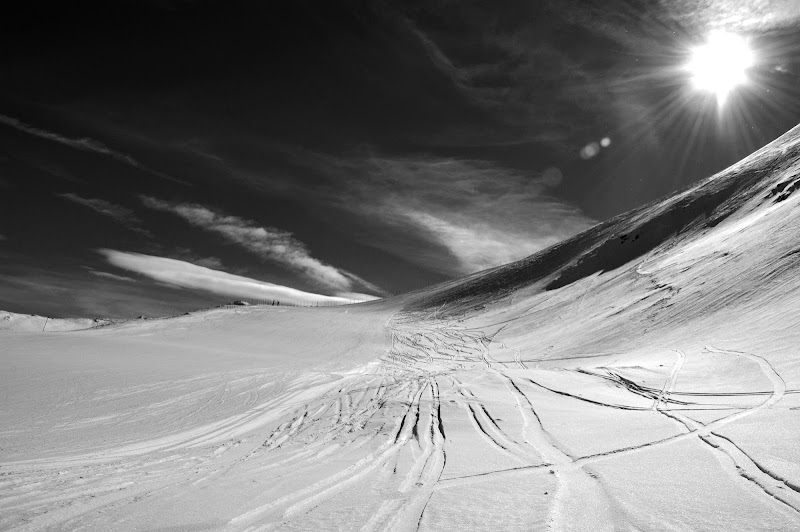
(383, 426)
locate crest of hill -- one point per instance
(13, 322)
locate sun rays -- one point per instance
(720, 65)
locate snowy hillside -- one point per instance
(643, 375)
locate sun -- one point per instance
(720, 65)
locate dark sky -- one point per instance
(348, 147)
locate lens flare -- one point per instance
(720, 65)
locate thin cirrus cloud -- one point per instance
(187, 275)
(268, 243)
(84, 144)
(623, 22)
(121, 215)
(484, 229)
(112, 276)
(477, 246)
(519, 70)
(473, 214)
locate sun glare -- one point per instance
(720, 65)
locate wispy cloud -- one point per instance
(112, 276)
(81, 143)
(633, 25)
(513, 69)
(187, 255)
(3, 237)
(743, 15)
(269, 243)
(481, 214)
(187, 275)
(477, 245)
(448, 214)
(122, 215)
(357, 296)
(84, 144)
(50, 291)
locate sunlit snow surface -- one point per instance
(644, 375)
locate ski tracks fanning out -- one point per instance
(446, 411)
(419, 427)
(406, 512)
(301, 501)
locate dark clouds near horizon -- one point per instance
(349, 146)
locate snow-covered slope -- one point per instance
(13, 322)
(643, 375)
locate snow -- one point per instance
(12, 322)
(608, 383)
